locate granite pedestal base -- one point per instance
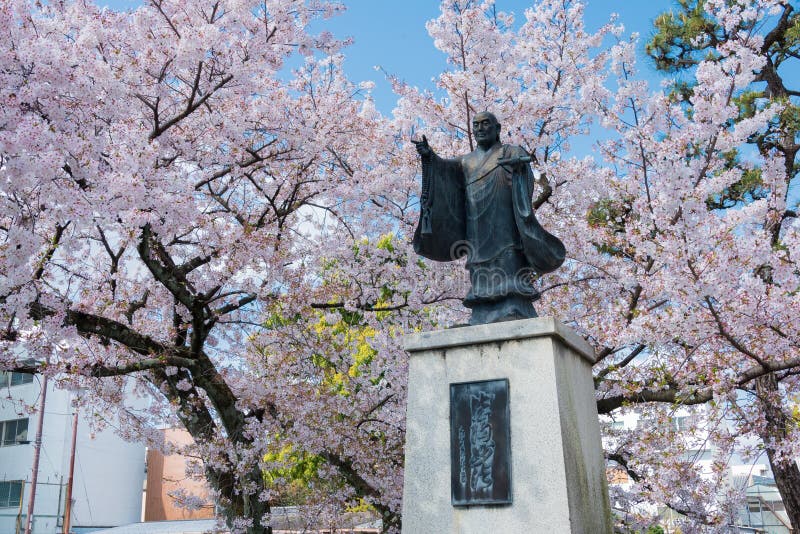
(557, 470)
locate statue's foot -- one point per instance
(508, 309)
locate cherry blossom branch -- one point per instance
(632, 305)
(732, 340)
(624, 362)
(100, 371)
(779, 31)
(623, 460)
(571, 282)
(51, 249)
(343, 220)
(191, 105)
(114, 256)
(157, 4)
(109, 329)
(671, 396)
(169, 278)
(254, 159)
(136, 305)
(185, 268)
(372, 410)
(363, 307)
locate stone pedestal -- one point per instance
(558, 477)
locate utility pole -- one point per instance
(68, 505)
(36, 450)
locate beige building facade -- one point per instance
(167, 481)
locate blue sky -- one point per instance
(395, 38)
(392, 35)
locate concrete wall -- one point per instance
(558, 472)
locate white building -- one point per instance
(108, 476)
(762, 510)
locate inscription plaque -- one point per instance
(480, 443)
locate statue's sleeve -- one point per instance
(442, 214)
(544, 251)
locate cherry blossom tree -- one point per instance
(686, 291)
(682, 39)
(705, 228)
(159, 170)
(188, 219)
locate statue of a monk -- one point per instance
(479, 205)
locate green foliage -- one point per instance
(684, 38)
(749, 103)
(687, 35)
(277, 320)
(608, 213)
(748, 188)
(298, 465)
(790, 117)
(789, 45)
(681, 91)
(349, 352)
(297, 472)
(611, 215)
(386, 242)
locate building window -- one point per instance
(754, 507)
(682, 423)
(10, 493)
(777, 506)
(14, 379)
(13, 432)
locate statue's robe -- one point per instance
(472, 206)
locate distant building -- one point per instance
(764, 510)
(761, 512)
(109, 472)
(165, 476)
(110, 476)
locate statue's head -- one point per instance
(486, 129)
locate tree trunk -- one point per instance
(236, 504)
(787, 474)
(238, 496)
(390, 520)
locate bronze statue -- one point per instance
(479, 205)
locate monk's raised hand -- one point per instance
(423, 148)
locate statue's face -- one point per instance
(485, 128)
